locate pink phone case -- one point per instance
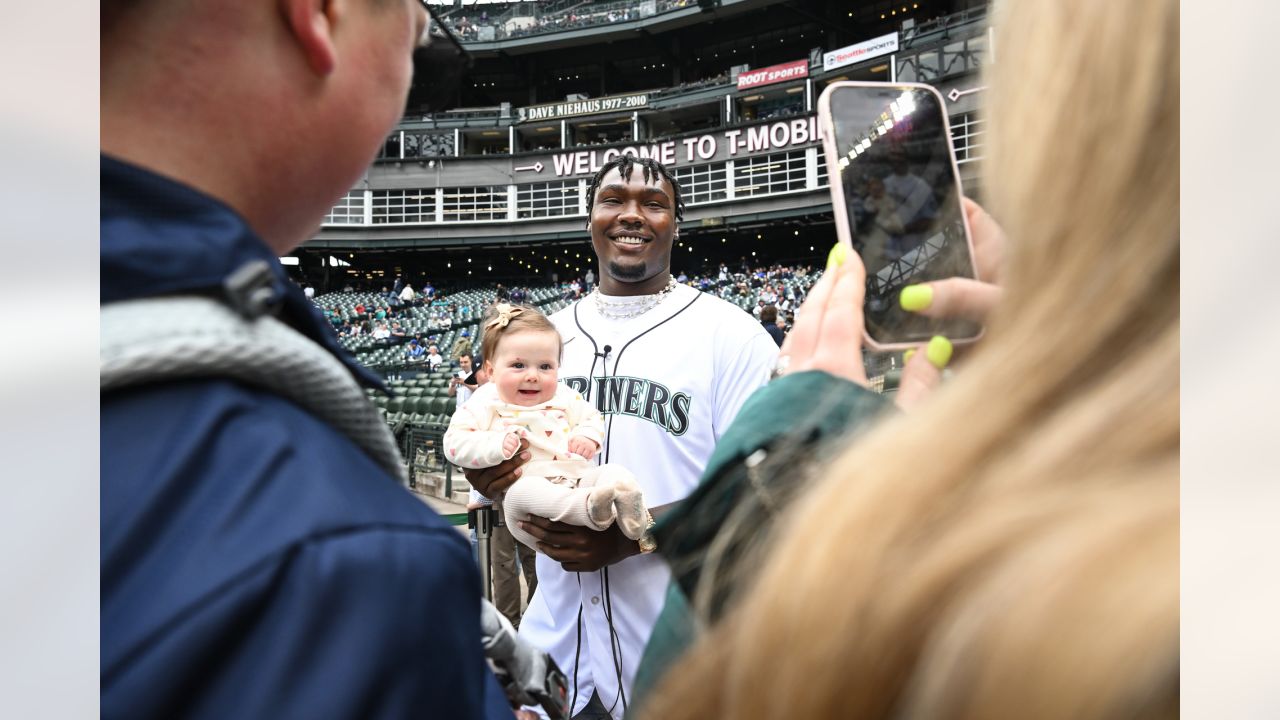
(838, 205)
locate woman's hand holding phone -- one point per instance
(952, 298)
(828, 327)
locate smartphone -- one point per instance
(895, 192)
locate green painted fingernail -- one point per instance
(837, 256)
(938, 351)
(906, 356)
(915, 298)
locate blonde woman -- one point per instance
(1010, 547)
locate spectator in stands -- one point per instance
(397, 332)
(407, 295)
(434, 358)
(758, 310)
(769, 319)
(237, 515)
(589, 280)
(414, 352)
(308, 291)
(1012, 542)
(457, 383)
(461, 346)
(381, 331)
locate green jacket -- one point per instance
(795, 413)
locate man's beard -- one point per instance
(627, 273)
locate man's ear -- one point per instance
(310, 24)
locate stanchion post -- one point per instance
(481, 520)
(448, 479)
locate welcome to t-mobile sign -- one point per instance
(699, 148)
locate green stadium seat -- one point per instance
(442, 405)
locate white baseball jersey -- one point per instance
(669, 386)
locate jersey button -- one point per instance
(595, 600)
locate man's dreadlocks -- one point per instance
(652, 171)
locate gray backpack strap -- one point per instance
(186, 337)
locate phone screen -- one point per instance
(902, 197)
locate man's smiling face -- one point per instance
(632, 227)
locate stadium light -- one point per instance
(288, 261)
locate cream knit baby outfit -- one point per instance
(556, 483)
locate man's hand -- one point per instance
(584, 446)
(580, 549)
(493, 482)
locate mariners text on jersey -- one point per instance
(637, 397)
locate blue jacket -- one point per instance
(255, 562)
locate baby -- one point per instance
(523, 399)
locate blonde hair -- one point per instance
(519, 318)
(1011, 548)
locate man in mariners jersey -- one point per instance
(626, 349)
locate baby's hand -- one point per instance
(584, 446)
(510, 443)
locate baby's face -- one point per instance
(525, 367)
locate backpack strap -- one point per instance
(187, 337)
